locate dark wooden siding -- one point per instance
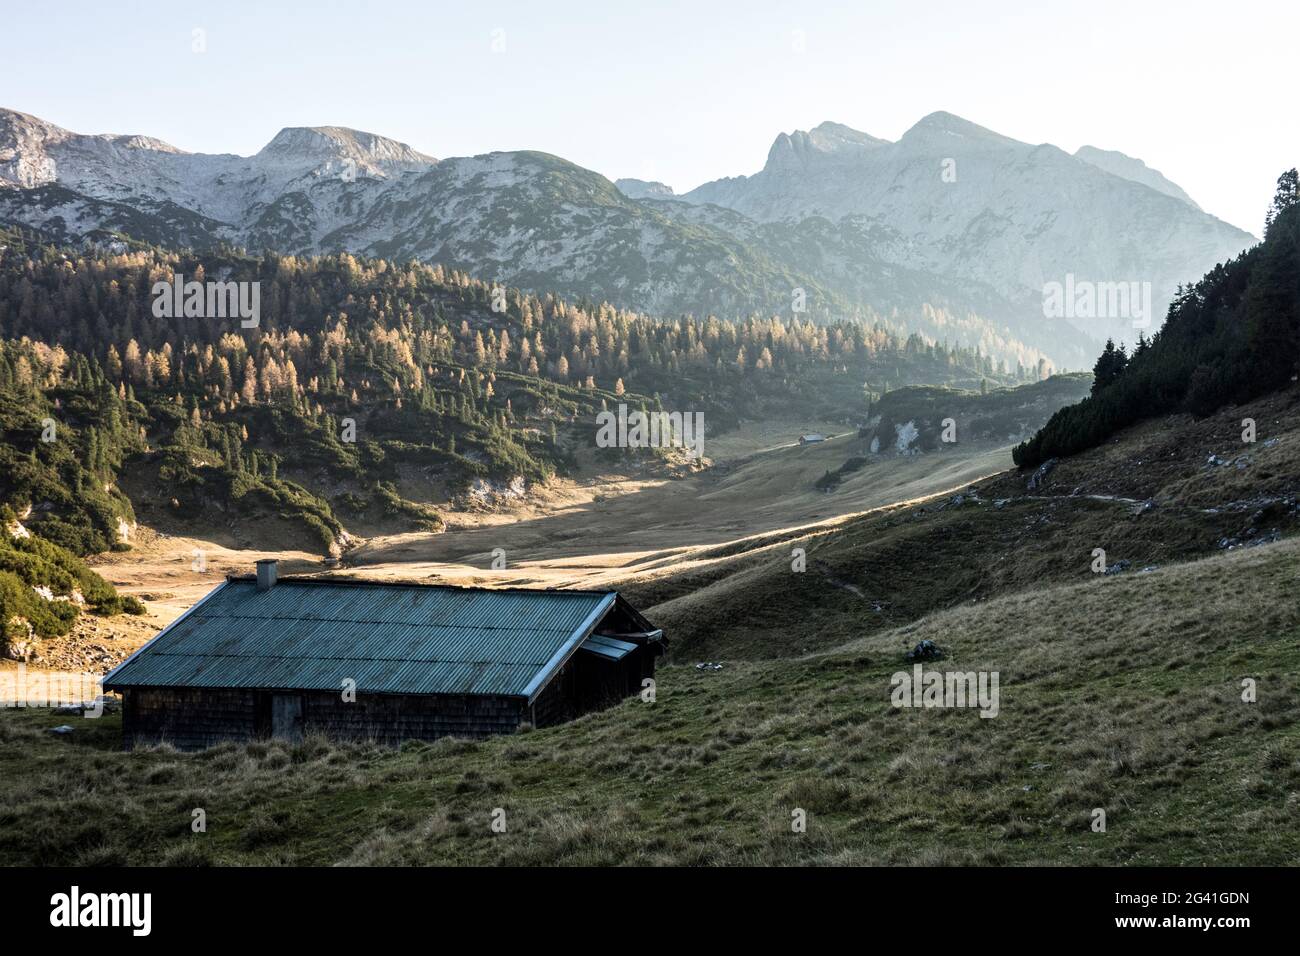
(187, 718)
(588, 682)
(191, 718)
(194, 718)
(556, 703)
(390, 719)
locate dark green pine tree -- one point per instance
(1110, 365)
(1287, 194)
(1273, 306)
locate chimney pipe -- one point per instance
(266, 571)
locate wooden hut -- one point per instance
(285, 656)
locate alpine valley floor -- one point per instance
(1124, 692)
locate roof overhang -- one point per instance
(607, 648)
(567, 650)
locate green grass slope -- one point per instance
(1150, 497)
(1121, 693)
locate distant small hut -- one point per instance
(269, 656)
(811, 439)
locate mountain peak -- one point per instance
(829, 136)
(135, 141)
(324, 143)
(827, 139)
(22, 131)
(24, 141)
(943, 126)
(14, 120)
(23, 128)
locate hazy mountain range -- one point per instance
(951, 231)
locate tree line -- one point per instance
(1228, 338)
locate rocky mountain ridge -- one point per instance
(839, 224)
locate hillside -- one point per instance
(1169, 490)
(45, 590)
(449, 385)
(989, 415)
(1122, 693)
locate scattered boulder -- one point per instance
(708, 666)
(927, 650)
(1254, 538)
(1118, 567)
(20, 650)
(1241, 462)
(62, 729)
(1040, 474)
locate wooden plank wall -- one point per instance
(192, 718)
(195, 718)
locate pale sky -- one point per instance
(680, 92)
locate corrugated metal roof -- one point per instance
(608, 647)
(389, 638)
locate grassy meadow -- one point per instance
(1122, 693)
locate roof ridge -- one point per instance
(321, 657)
(311, 579)
(344, 620)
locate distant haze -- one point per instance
(681, 93)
